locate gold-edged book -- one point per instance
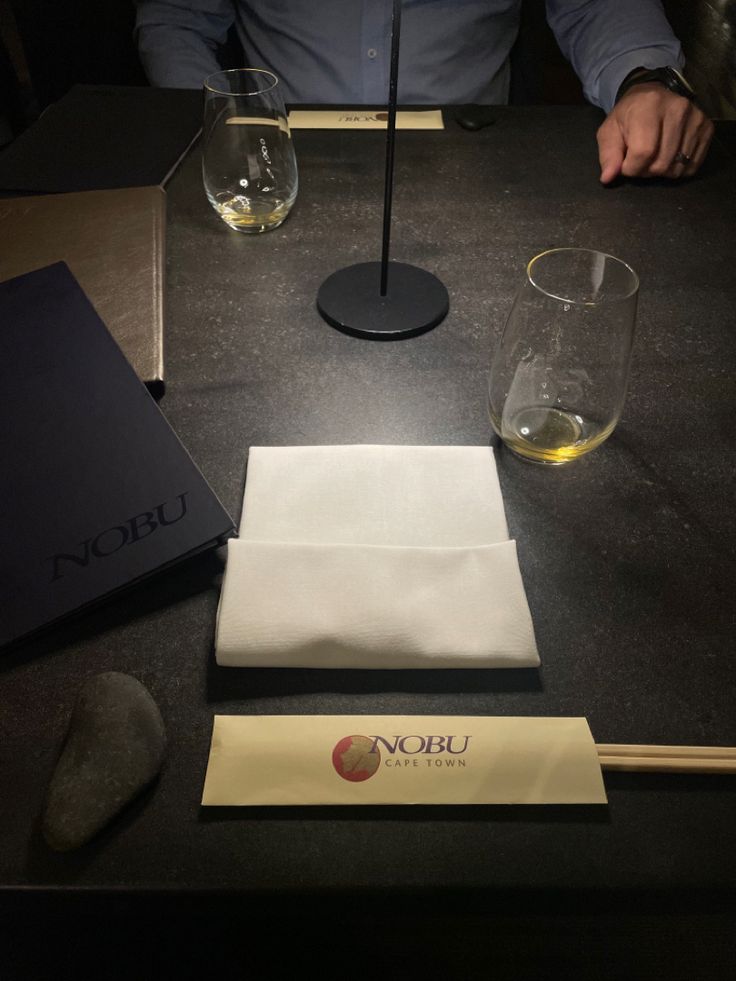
(113, 242)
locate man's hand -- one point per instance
(652, 132)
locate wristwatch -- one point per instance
(670, 77)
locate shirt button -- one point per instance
(372, 52)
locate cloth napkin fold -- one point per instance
(373, 557)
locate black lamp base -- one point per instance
(415, 301)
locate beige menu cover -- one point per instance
(412, 759)
(113, 242)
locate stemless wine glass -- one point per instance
(248, 163)
(558, 378)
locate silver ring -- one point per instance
(682, 158)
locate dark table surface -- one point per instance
(627, 555)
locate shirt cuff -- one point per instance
(610, 79)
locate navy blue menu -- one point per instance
(96, 491)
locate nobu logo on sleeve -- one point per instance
(357, 758)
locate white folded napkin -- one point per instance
(373, 557)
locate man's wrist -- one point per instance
(672, 79)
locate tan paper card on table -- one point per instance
(386, 759)
(364, 119)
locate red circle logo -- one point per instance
(356, 758)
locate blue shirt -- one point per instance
(452, 51)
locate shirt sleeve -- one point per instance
(178, 40)
(604, 40)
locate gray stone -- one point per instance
(113, 750)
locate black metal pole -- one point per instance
(390, 142)
(417, 300)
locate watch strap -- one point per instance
(668, 76)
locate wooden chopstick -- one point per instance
(674, 759)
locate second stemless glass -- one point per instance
(248, 162)
(558, 378)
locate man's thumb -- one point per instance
(611, 150)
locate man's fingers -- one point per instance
(704, 136)
(611, 149)
(694, 147)
(643, 136)
(677, 134)
(649, 132)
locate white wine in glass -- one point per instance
(248, 162)
(558, 378)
